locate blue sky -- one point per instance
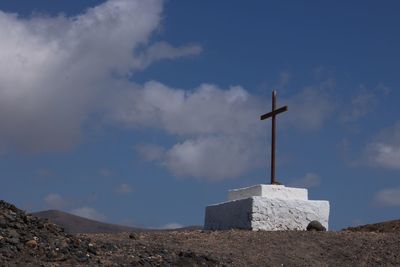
(144, 112)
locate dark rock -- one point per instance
(109, 247)
(82, 256)
(17, 225)
(13, 234)
(316, 226)
(133, 236)
(31, 244)
(51, 254)
(13, 241)
(25, 238)
(92, 249)
(11, 216)
(62, 245)
(3, 223)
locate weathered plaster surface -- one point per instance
(267, 207)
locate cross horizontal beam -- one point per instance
(275, 112)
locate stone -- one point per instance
(13, 233)
(92, 249)
(133, 236)
(13, 240)
(270, 191)
(267, 207)
(3, 223)
(23, 231)
(31, 244)
(315, 226)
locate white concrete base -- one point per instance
(268, 210)
(270, 191)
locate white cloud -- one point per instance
(150, 152)
(221, 129)
(123, 189)
(364, 102)
(360, 105)
(308, 181)
(55, 201)
(384, 151)
(204, 110)
(309, 109)
(208, 109)
(61, 69)
(171, 226)
(89, 213)
(163, 50)
(388, 197)
(384, 155)
(215, 158)
(222, 134)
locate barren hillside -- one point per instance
(26, 240)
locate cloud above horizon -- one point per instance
(389, 197)
(364, 102)
(62, 70)
(310, 108)
(170, 226)
(89, 213)
(384, 150)
(220, 130)
(55, 201)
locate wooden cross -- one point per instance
(273, 114)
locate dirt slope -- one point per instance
(383, 227)
(245, 248)
(26, 240)
(76, 224)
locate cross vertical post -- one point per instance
(273, 114)
(273, 139)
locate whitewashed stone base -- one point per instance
(270, 191)
(267, 213)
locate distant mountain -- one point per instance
(78, 225)
(381, 227)
(75, 224)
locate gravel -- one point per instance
(29, 241)
(26, 240)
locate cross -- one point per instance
(273, 114)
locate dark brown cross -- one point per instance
(273, 114)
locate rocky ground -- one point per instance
(385, 227)
(29, 241)
(244, 248)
